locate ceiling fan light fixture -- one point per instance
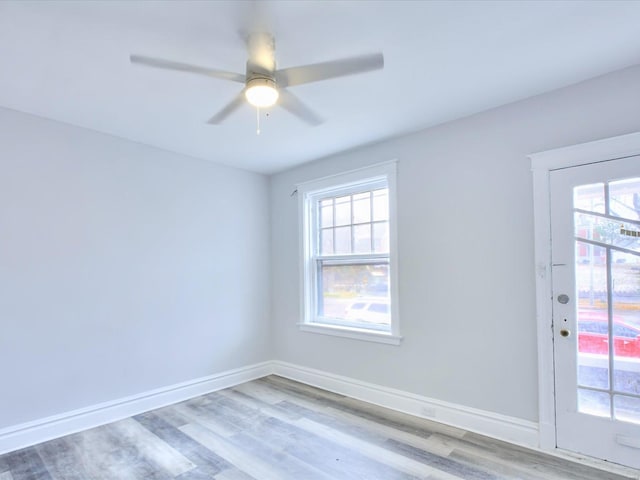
(261, 92)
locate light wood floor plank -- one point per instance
(233, 474)
(195, 415)
(207, 461)
(350, 434)
(104, 454)
(324, 454)
(234, 455)
(153, 448)
(397, 461)
(61, 459)
(287, 410)
(26, 464)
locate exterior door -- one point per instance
(595, 250)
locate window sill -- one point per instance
(355, 333)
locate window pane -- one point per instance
(381, 237)
(326, 242)
(624, 198)
(356, 295)
(589, 197)
(362, 238)
(343, 240)
(380, 205)
(379, 307)
(362, 208)
(326, 215)
(343, 210)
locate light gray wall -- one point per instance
(123, 268)
(465, 228)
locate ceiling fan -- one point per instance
(264, 85)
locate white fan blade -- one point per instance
(185, 67)
(228, 109)
(293, 105)
(289, 77)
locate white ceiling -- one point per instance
(69, 61)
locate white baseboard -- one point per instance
(31, 433)
(502, 427)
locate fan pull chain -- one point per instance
(257, 120)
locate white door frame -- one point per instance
(542, 164)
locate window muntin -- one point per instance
(348, 242)
(347, 225)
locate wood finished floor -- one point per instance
(277, 429)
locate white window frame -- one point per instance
(347, 182)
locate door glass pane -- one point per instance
(594, 403)
(627, 408)
(624, 198)
(608, 288)
(589, 197)
(625, 274)
(604, 230)
(592, 316)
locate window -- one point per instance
(348, 254)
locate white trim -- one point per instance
(544, 322)
(31, 433)
(584, 153)
(379, 168)
(510, 429)
(347, 332)
(542, 164)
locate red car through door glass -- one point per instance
(593, 335)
